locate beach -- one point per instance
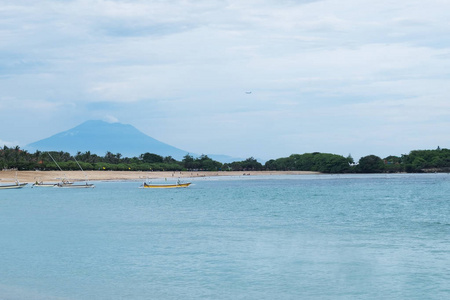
(56, 176)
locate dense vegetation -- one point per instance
(320, 162)
(416, 161)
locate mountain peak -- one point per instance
(99, 137)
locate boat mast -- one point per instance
(65, 177)
(55, 162)
(85, 175)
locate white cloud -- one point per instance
(110, 119)
(8, 144)
(319, 70)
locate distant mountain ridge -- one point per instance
(99, 137)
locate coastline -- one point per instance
(55, 176)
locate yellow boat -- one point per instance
(165, 185)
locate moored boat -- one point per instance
(74, 185)
(165, 185)
(70, 185)
(16, 185)
(41, 184)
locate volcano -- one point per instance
(99, 137)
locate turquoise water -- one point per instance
(278, 237)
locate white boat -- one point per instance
(74, 185)
(70, 185)
(16, 185)
(41, 184)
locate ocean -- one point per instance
(250, 237)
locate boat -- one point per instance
(74, 185)
(70, 185)
(64, 179)
(16, 185)
(41, 184)
(165, 185)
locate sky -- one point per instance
(254, 78)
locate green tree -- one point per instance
(188, 162)
(371, 164)
(251, 164)
(151, 158)
(321, 162)
(350, 159)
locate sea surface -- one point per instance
(248, 237)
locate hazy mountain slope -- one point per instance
(100, 137)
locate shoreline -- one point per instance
(55, 176)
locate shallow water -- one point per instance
(274, 237)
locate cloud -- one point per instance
(8, 144)
(319, 70)
(110, 119)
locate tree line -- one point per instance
(437, 160)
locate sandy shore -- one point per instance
(55, 176)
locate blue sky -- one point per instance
(346, 77)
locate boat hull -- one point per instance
(12, 186)
(75, 186)
(44, 185)
(166, 186)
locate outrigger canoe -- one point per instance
(12, 186)
(165, 185)
(74, 186)
(41, 184)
